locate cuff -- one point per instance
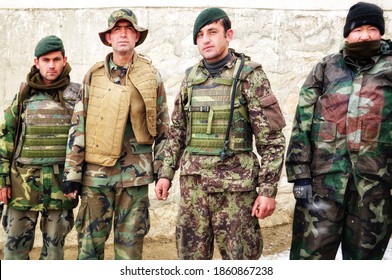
(298, 171)
(4, 181)
(302, 182)
(166, 172)
(268, 190)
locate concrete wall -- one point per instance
(287, 37)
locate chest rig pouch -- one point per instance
(218, 122)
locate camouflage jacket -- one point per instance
(343, 123)
(33, 187)
(266, 121)
(137, 165)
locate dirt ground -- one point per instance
(276, 239)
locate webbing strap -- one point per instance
(237, 71)
(191, 81)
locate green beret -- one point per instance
(48, 44)
(206, 17)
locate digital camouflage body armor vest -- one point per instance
(45, 125)
(110, 105)
(209, 106)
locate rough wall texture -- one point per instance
(288, 42)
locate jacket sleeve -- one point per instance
(163, 122)
(267, 122)
(177, 137)
(7, 137)
(74, 162)
(299, 152)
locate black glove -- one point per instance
(303, 189)
(70, 187)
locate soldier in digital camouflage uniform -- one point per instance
(33, 140)
(340, 151)
(118, 128)
(224, 189)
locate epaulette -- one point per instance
(238, 54)
(96, 66)
(145, 58)
(189, 69)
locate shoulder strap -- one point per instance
(22, 86)
(20, 109)
(190, 82)
(237, 72)
(96, 66)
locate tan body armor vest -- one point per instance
(110, 105)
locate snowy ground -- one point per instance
(285, 255)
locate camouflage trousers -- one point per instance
(362, 229)
(224, 218)
(126, 209)
(20, 229)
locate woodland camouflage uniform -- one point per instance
(117, 191)
(342, 140)
(39, 117)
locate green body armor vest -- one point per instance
(208, 107)
(45, 126)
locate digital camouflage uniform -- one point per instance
(35, 188)
(115, 195)
(217, 196)
(341, 139)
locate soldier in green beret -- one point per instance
(224, 107)
(33, 138)
(340, 152)
(118, 129)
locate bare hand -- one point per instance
(263, 207)
(5, 194)
(162, 188)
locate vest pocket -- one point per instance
(370, 131)
(323, 132)
(376, 132)
(272, 112)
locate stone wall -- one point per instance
(286, 37)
